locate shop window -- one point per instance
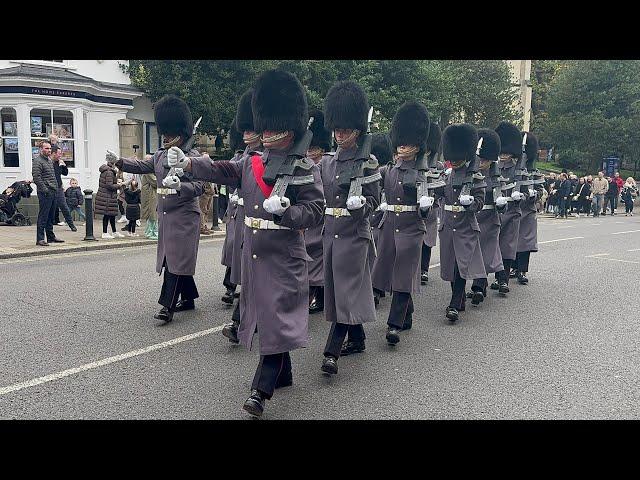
(46, 123)
(9, 156)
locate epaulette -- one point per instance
(478, 176)
(305, 163)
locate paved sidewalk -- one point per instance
(21, 241)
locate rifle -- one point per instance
(428, 178)
(521, 174)
(281, 173)
(471, 174)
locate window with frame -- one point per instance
(153, 139)
(9, 152)
(44, 123)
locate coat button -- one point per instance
(455, 216)
(337, 197)
(398, 198)
(336, 236)
(164, 213)
(254, 256)
(255, 207)
(397, 231)
(337, 176)
(397, 214)
(454, 229)
(255, 231)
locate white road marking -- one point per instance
(597, 255)
(634, 250)
(628, 231)
(568, 226)
(105, 361)
(612, 259)
(560, 240)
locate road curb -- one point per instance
(93, 246)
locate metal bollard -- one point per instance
(88, 212)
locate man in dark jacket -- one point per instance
(59, 169)
(564, 190)
(45, 179)
(611, 197)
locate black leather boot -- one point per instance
(255, 403)
(164, 314)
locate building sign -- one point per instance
(610, 165)
(54, 92)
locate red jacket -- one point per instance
(620, 183)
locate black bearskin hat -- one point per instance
(490, 144)
(510, 139)
(381, 148)
(435, 136)
(236, 142)
(410, 126)
(531, 148)
(244, 115)
(173, 117)
(459, 142)
(346, 106)
(321, 136)
(279, 103)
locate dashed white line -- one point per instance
(560, 240)
(105, 361)
(628, 231)
(634, 250)
(612, 259)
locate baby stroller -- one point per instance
(9, 200)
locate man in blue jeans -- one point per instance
(45, 179)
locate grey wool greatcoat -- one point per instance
(397, 266)
(460, 234)
(510, 218)
(178, 215)
(489, 222)
(313, 243)
(275, 284)
(230, 239)
(528, 232)
(347, 245)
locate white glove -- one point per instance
(517, 195)
(383, 206)
(501, 201)
(426, 202)
(466, 200)
(532, 193)
(448, 171)
(112, 157)
(179, 171)
(234, 198)
(171, 181)
(276, 205)
(354, 203)
(176, 158)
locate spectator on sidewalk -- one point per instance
(577, 197)
(45, 179)
(564, 190)
(59, 169)
(584, 194)
(149, 185)
(599, 188)
(620, 183)
(132, 198)
(75, 198)
(107, 199)
(611, 197)
(629, 193)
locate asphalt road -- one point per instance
(79, 342)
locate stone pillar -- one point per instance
(131, 132)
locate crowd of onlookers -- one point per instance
(565, 194)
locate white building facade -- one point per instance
(89, 104)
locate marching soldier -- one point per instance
(402, 228)
(320, 143)
(431, 223)
(488, 217)
(178, 209)
(383, 151)
(510, 151)
(348, 297)
(229, 219)
(463, 195)
(528, 233)
(282, 196)
(251, 140)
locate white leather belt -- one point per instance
(488, 207)
(401, 208)
(166, 191)
(241, 202)
(454, 208)
(337, 212)
(262, 224)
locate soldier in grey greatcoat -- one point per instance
(489, 217)
(243, 123)
(510, 151)
(383, 151)
(320, 144)
(178, 209)
(528, 233)
(462, 197)
(431, 223)
(402, 228)
(348, 297)
(275, 283)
